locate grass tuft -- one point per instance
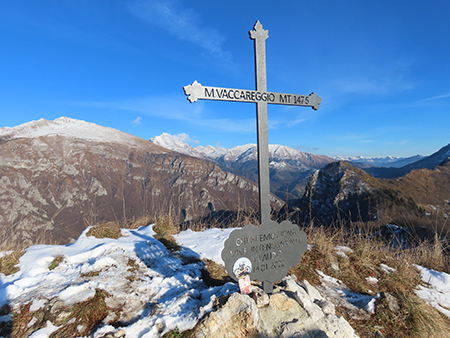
(176, 333)
(56, 261)
(105, 230)
(165, 228)
(75, 321)
(214, 274)
(84, 316)
(8, 262)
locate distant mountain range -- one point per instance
(289, 168)
(386, 161)
(330, 190)
(429, 162)
(278, 153)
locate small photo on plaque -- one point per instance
(242, 267)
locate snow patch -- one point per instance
(437, 289)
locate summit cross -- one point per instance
(261, 97)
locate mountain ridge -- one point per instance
(59, 176)
(342, 193)
(429, 162)
(289, 168)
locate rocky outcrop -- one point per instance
(293, 310)
(57, 177)
(338, 191)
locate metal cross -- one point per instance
(261, 97)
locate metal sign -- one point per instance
(198, 92)
(278, 261)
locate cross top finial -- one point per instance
(259, 32)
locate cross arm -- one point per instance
(196, 91)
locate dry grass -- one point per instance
(176, 333)
(75, 321)
(139, 222)
(56, 261)
(223, 219)
(165, 228)
(8, 262)
(105, 230)
(214, 274)
(87, 314)
(414, 318)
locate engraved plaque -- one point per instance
(265, 253)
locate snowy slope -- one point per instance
(166, 291)
(68, 127)
(91, 263)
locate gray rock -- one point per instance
(313, 293)
(392, 302)
(260, 297)
(326, 306)
(294, 310)
(238, 317)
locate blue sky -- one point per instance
(381, 67)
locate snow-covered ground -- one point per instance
(162, 292)
(157, 290)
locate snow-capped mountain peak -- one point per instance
(68, 127)
(241, 153)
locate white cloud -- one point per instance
(184, 23)
(137, 121)
(183, 137)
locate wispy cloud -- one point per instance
(295, 122)
(435, 97)
(137, 121)
(175, 108)
(184, 23)
(183, 137)
(306, 148)
(398, 143)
